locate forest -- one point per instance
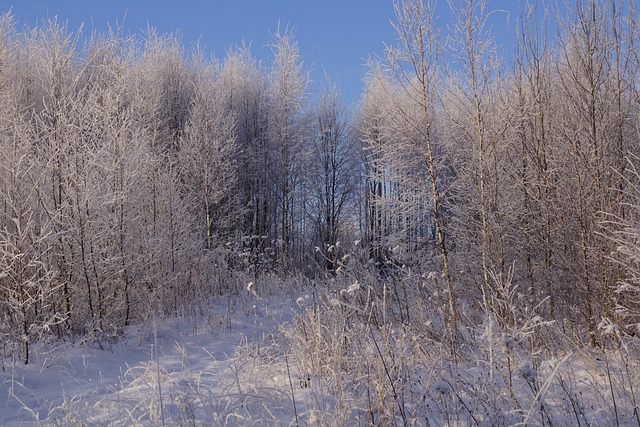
(475, 216)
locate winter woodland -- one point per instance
(187, 240)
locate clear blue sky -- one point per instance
(333, 35)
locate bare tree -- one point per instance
(415, 66)
(58, 78)
(245, 90)
(535, 173)
(471, 110)
(591, 78)
(287, 86)
(626, 237)
(333, 163)
(208, 159)
(29, 283)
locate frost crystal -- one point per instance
(608, 327)
(351, 289)
(252, 289)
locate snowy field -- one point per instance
(275, 361)
(225, 368)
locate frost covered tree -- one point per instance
(596, 134)
(244, 84)
(406, 164)
(475, 129)
(286, 96)
(29, 282)
(332, 175)
(535, 172)
(207, 158)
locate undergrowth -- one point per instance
(352, 349)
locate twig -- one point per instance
(613, 396)
(574, 404)
(541, 391)
(393, 388)
(293, 397)
(155, 347)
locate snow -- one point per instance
(251, 362)
(206, 371)
(441, 387)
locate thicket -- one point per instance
(138, 179)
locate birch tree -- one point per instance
(208, 159)
(245, 90)
(414, 64)
(287, 86)
(334, 164)
(470, 106)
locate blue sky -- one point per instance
(335, 36)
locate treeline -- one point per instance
(138, 178)
(521, 175)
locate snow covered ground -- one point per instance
(251, 361)
(225, 368)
